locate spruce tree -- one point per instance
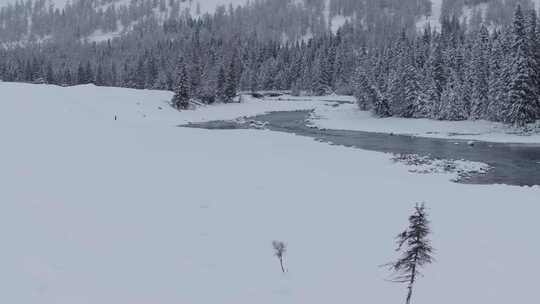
(81, 75)
(498, 78)
(533, 29)
(49, 76)
(89, 73)
(415, 248)
(411, 91)
(381, 104)
(362, 89)
(424, 104)
(522, 104)
(139, 77)
(182, 89)
(522, 97)
(322, 75)
(100, 81)
(452, 105)
(479, 73)
(438, 68)
(220, 93)
(230, 83)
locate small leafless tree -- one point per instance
(279, 251)
(415, 248)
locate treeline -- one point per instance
(37, 20)
(461, 72)
(493, 12)
(457, 74)
(245, 42)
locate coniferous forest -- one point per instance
(482, 66)
(269, 151)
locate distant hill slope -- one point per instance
(206, 6)
(94, 20)
(99, 20)
(493, 12)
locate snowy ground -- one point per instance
(137, 210)
(349, 117)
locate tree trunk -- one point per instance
(281, 263)
(409, 295)
(413, 278)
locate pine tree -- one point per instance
(81, 75)
(399, 81)
(416, 250)
(521, 95)
(461, 66)
(533, 28)
(322, 75)
(221, 95)
(67, 78)
(498, 79)
(522, 98)
(100, 81)
(519, 32)
(139, 77)
(89, 73)
(245, 79)
(452, 105)
(424, 105)
(182, 89)
(480, 75)
(362, 89)
(295, 88)
(230, 83)
(114, 75)
(381, 104)
(437, 69)
(395, 91)
(49, 77)
(412, 91)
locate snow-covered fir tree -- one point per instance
(480, 74)
(521, 94)
(452, 105)
(415, 248)
(522, 97)
(181, 96)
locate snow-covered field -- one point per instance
(136, 210)
(349, 117)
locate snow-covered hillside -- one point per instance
(206, 6)
(137, 210)
(434, 19)
(57, 3)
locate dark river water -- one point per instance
(512, 164)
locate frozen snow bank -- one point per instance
(461, 169)
(130, 106)
(349, 117)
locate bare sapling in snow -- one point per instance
(415, 248)
(279, 251)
